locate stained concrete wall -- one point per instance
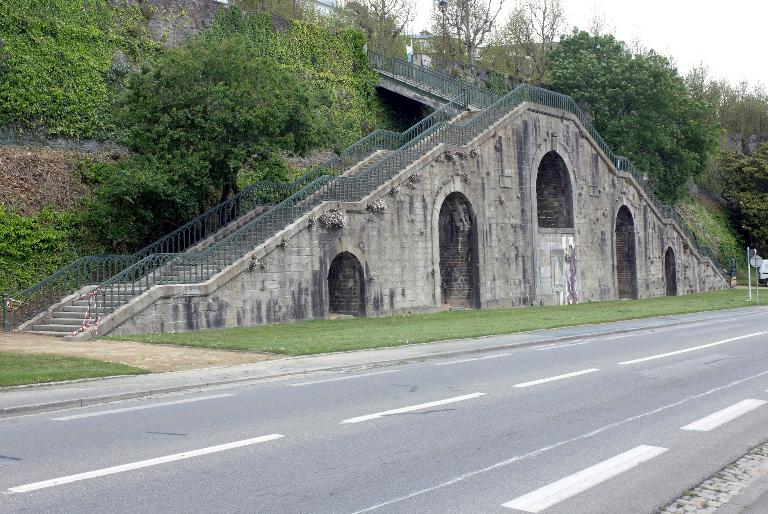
(518, 262)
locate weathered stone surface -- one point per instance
(487, 249)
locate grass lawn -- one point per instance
(26, 368)
(311, 337)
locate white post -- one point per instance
(749, 275)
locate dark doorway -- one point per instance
(670, 272)
(554, 202)
(458, 252)
(346, 286)
(626, 266)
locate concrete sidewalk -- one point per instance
(48, 397)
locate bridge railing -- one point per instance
(448, 86)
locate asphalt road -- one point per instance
(617, 423)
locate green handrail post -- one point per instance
(6, 321)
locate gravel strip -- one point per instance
(722, 487)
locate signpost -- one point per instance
(755, 261)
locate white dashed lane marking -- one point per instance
(722, 417)
(549, 495)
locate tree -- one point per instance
(194, 117)
(470, 22)
(523, 45)
(746, 190)
(640, 105)
(382, 21)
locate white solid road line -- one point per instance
(558, 377)
(556, 492)
(448, 363)
(348, 377)
(722, 417)
(141, 407)
(142, 464)
(693, 348)
(412, 408)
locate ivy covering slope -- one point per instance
(333, 64)
(56, 60)
(62, 62)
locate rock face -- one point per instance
(530, 212)
(172, 21)
(744, 143)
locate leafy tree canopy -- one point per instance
(218, 101)
(640, 105)
(193, 118)
(746, 190)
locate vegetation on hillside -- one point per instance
(237, 97)
(745, 179)
(60, 59)
(641, 107)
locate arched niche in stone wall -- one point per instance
(346, 286)
(626, 254)
(459, 270)
(554, 197)
(670, 272)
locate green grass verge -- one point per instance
(25, 368)
(312, 337)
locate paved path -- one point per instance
(602, 422)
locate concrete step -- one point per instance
(55, 329)
(62, 314)
(69, 309)
(65, 321)
(46, 333)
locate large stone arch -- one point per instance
(626, 254)
(554, 192)
(670, 272)
(346, 285)
(458, 252)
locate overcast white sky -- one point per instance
(730, 37)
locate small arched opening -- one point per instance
(554, 201)
(458, 252)
(626, 265)
(670, 272)
(346, 286)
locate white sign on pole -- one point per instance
(756, 261)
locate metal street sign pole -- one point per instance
(749, 274)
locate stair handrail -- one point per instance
(95, 269)
(207, 262)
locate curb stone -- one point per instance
(722, 492)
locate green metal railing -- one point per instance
(196, 267)
(425, 78)
(122, 277)
(93, 270)
(445, 83)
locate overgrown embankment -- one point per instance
(63, 63)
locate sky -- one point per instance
(729, 37)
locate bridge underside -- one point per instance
(429, 97)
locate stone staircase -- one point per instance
(370, 163)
